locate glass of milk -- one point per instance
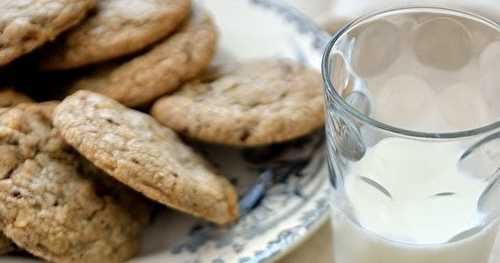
(413, 132)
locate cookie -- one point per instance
(47, 108)
(254, 103)
(26, 25)
(52, 202)
(118, 27)
(9, 97)
(161, 69)
(134, 149)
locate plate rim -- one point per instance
(323, 219)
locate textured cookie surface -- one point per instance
(9, 97)
(27, 24)
(254, 103)
(161, 69)
(118, 27)
(139, 152)
(52, 201)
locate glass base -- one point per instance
(353, 244)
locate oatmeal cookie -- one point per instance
(254, 103)
(26, 25)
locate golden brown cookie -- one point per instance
(47, 108)
(53, 202)
(136, 150)
(26, 25)
(9, 97)
(117, 28)
(161, 69)
(253, 103)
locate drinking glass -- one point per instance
(412, 123)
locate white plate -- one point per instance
(293, 207)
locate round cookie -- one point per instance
(254, 103)
(136, 150)
(117, 28)
(26, 25)
(161, 69)
(53, 203)
(9, 97)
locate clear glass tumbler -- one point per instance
(413, 110)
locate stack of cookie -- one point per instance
(78, 177)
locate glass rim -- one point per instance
(330, 90)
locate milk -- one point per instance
(409, 199)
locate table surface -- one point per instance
(318, 249)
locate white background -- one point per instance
(341, 10)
